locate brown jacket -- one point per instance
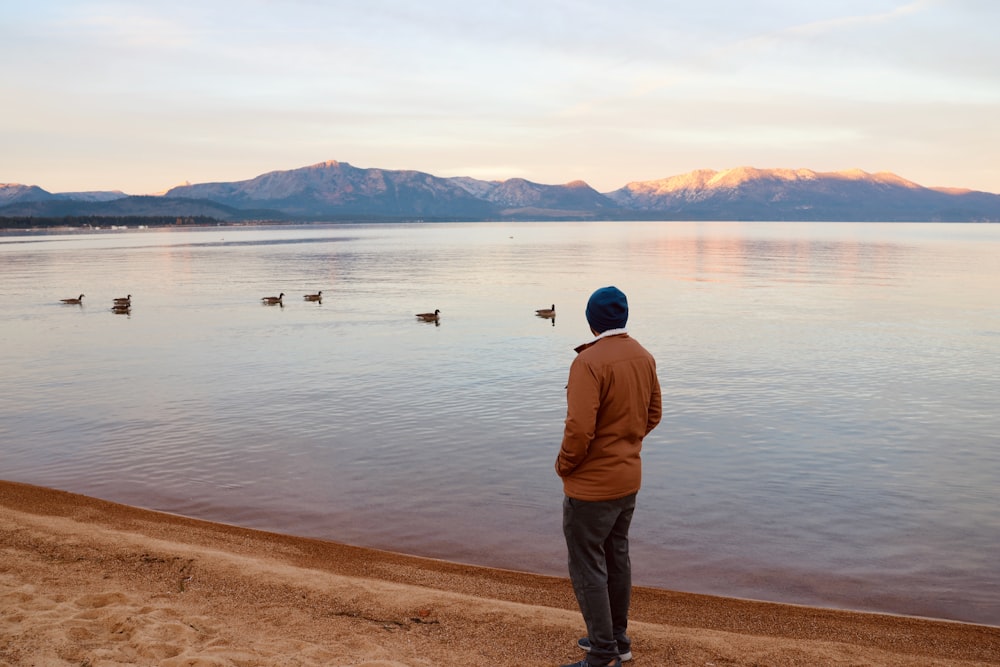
(612, 402)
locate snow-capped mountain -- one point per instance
(339, 191)
(747, 193)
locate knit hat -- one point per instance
(607, 309)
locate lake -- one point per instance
(830, 436)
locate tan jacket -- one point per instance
(612, 402)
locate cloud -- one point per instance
(132, 29)
(842, 23)
(549, 91)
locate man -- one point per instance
(612, 403)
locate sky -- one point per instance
(143, 96)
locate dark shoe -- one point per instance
(584, 663)
(584, 644)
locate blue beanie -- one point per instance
(607, 309)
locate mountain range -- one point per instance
(337, 191)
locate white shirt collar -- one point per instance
(604, 334)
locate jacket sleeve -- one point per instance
(655, 411)
(582, 402)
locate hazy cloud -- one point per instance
(141, 96)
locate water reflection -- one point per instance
(434, 317)
(547, 313)
(829, 393)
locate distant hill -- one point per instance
(15, 193)
(784, 194)
(338, 191)
(517, 197)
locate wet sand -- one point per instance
(89, 583)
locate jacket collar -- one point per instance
(605, 334)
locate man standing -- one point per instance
(612, 403)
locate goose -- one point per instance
(546, 312)
(273, 299)
(78, 299)
(126, 300)
(318, 296)
(430, 317)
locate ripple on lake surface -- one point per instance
(829, 430)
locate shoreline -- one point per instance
(90, 582)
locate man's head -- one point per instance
(607, 309)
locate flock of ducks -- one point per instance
(123, 305)
(544, 313)
(279, 300)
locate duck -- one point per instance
(123, 300)
(78, 299)
(318, 296)
(546, 312)
(430, 317)
(273, 299)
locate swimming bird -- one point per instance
(273, 299)
(123, 300)
(546, 312)
(430, 317)
(78, 299)
(318, 296)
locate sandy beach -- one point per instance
(89, 583)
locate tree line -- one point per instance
(94, 221)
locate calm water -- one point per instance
(831, 433)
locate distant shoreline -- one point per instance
(116, 224)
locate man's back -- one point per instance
(613, 402)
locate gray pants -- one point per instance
(599, 567)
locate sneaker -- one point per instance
(584, 644)
(584, 663)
